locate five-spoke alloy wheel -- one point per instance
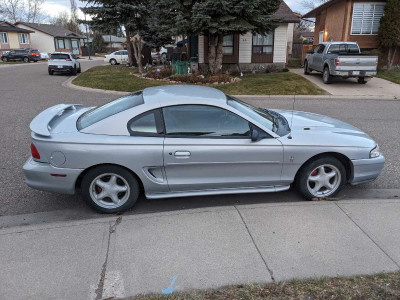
(110, 189)
(323, 177)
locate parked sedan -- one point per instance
(178, 141)
(117, 57)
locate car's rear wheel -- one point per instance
(5, 59)
(113, 61)
(324, 177)
(79, 69)
(26, 59)
(73, 71)
(51, 72)
(306, 69)
(326, 76)
(361, 80)
(110, 189)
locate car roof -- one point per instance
(182, 93)
(335, 43)
(61, 53)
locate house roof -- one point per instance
(313, 13)
(53, 30)
(307, 34)
(114, 39)
(8, 27)
(285, 14)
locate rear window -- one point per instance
(59, 56)
(107, 110)
(343, 48)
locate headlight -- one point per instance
(375, 152)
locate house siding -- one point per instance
(201, 49)
(40, 40)
(280, 43)
(290, 36)
(245, 45)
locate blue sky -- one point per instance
(54, 7)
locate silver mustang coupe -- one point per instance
(175, 141)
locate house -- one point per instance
(114, 43)
(250, 51)
(348, 20)
(12, 37)
(306, 37)
(50, 38)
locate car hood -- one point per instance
(330, 130)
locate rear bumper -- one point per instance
(354, 74)
(365, 170)
(63, 69)
(38, 176)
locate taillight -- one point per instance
(34, 152)
(105, 56)
(68, 59)
(376, 62)
(337, 62)
(51, 58)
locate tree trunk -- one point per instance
(129, 48)
(215, 54)
(393, 57)
(137, 47)
(218, 59)
(389, 59)
(212, 54)
(184, 48)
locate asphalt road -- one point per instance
(26, 90)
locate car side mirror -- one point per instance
(255, 135)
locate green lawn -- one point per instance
(393, 75)
(294, 63)
(11, 62)
(119, 78)
(379, 286)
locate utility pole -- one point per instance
(87, 33)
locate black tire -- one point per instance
(113, 61)
(133, 183)
(51, 72)
(306, 69)
(5, 59)
(361, 80)
(302, 177)
(79, 69)
(73, 71)
(26, 59)
(326, 76)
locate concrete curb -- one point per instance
(68, 84)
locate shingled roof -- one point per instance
(285, 14)
(8, 27)
(53, 30)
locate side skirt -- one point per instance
(269, 189)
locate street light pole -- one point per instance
(87, 36)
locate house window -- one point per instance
(4, 37)
(366, 17)
(23, 38)
(227, 45)
(263, 44)
(60, 44)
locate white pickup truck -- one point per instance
(343, 59)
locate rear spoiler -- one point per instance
(40, 124)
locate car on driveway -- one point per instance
(25, 55)
(179, 141)
(341, 59)
(117, 57)
(63, 62)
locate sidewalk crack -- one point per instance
(271, 273)
(376, 244)
(100, 285)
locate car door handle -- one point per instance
(182, 154)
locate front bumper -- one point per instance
(365, 170)
(38, 176)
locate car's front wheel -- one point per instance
(324, 177)
(326, 76)
(110, 189)
(306, 68)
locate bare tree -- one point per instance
(311, 4)
(12, 10)
(34, 12)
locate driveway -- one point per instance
(376, 87)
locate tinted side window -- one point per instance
(146, 124)
(353, 48)
(321, 48)
(203, 121)
(118, 53)
(334, 49)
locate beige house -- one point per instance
(50, 38)
(251, 52)
(13, 37)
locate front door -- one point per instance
(208, 147)
(75, 46)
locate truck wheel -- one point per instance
(361, 80)
(326, 77)
(26, 59)
(307, 71)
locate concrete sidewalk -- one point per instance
(340, 87)
(203, 248)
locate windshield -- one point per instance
(107, 110)
(252, 112)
